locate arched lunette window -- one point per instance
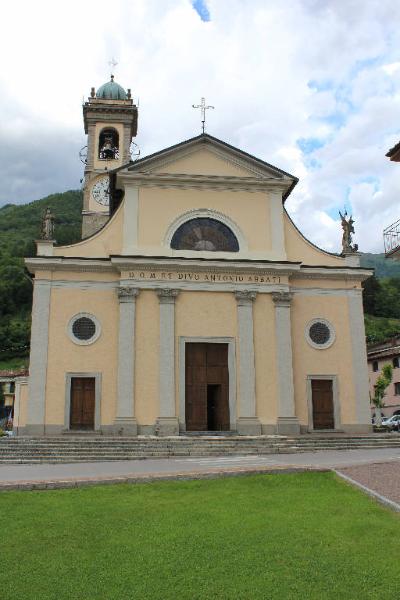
(205, 234)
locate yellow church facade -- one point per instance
(193, 303)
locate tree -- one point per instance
(371, 290)
(382, 383)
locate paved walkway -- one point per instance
(66, 475)
(381, 480)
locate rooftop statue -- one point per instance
(47, 232)
(348, 230)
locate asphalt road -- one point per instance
(327, 459)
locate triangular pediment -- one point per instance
(201, 161)
(208, 156)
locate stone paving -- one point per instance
(352, 462)
(382, 478)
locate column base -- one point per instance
(32, 430)
(167, 426)
(125, 426)
(248, 426)
(287, 426)
(357, 428)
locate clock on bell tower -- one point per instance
(110, 119)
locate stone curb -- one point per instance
(53, 484)
(378, 497)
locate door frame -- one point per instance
(97, 398)
(231, 373)
(336, 403)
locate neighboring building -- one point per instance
(387, 352)
(391, 235)
(7, 383)
(195, 304)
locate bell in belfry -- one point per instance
(108, 149)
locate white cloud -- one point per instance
(304, 70)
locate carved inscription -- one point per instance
(203, 277)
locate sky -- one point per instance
(310, 86)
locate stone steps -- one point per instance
(100, 448)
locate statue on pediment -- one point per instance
(47, 232)
(347, 237)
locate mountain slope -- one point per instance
(19, 226)
(384, 267)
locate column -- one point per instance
(248, 423)
(360, 367)
(167, 423)
(125, 422)
(35, 424)
(287, 422)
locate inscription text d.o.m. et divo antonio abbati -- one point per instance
(204, 277)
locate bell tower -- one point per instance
(110, 120)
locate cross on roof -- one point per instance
(113, 63)
(203, 109)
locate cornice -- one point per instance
(54, 263)
(213, 182)
(343, 273)
(117, 264)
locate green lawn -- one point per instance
(304, 536)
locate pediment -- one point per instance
(208, 156)
(201, 161)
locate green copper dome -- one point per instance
(111, 91)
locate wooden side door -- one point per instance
(196, 387)
(322, 404)
(82, 403)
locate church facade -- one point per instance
(192, 303)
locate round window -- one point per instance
(320, 333)
(84, 329)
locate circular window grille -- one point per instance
(84, 329)
(320, 333)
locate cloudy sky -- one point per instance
(311, 86)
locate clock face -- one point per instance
(101, 192)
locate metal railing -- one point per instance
(391, 238)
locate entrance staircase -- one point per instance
(69, 449)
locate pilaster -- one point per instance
(167, 423)
(38, 358)
(125, 422)
(247, 423)
(360, 365)
(287, 422)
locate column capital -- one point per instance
(245, 297)
(282, 298)
(127, 294)
(167, 295)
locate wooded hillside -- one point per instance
(19, 227)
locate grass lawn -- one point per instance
(305, 536)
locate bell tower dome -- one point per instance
(110, 120)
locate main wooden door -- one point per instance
(82, 403)
(207, 387)
(322, 404)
